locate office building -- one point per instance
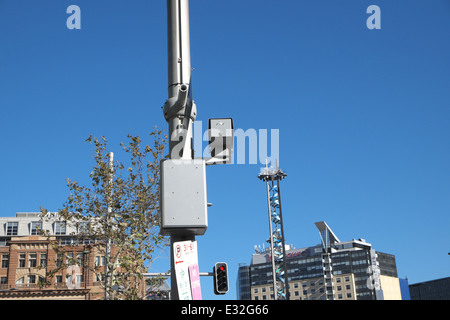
(438, 289)
(332, 270)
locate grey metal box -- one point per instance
(221, 135)
(220, 128)
(183, 203)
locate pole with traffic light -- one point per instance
(183, 201)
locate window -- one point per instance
(84, 227)
(65, 241)
(31, 278)
(69, 259)
(60, 227)
(5, 260)
(43, 260)
(21, 260)
(347, 287)
(3, 280)
(58, 279)
(100, 261)
(79, 259)
(32, 259)
(35, 227)
(12, 228)
(349, 295)
(59, 259)
(347, 279)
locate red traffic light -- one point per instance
(220, 271)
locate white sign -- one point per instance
(185, 259)
(373, 282)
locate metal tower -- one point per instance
(272, 177)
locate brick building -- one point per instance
(31, 268)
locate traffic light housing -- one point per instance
(220, 278)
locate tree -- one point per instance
(120, 208)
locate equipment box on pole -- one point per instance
(183, 203)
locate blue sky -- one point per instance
(362, 114)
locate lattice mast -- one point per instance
(272, 177)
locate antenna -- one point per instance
(272, 177)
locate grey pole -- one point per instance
(108, 221)
(288, 294)
(272, 256)
(179, 110)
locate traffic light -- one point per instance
(220, 278)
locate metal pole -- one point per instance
(286, 283)
(272, 258)
(179, 110)
(108, 222)
(179, 56)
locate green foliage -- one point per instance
(121, 206)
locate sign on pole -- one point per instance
(194, 277)
(186, 270)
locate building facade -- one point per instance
(438, 289)
(30, 265)
(333, 270)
